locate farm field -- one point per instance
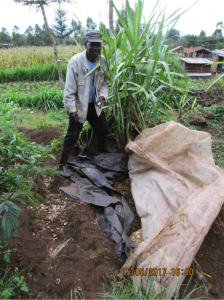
(52, 246)
(62, 219)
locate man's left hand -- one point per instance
(100, 100)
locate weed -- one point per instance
(45, 171)
(11, 283)
(95, 254)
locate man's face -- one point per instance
(93, 49)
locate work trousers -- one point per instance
(99, 125)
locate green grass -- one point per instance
(46, 171)
(125, 290)
(37, 119)
(32, 73)
(26, 87)
(47, 98)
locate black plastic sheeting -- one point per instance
(93, 181)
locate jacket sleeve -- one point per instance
(70, 87)
(104, 87)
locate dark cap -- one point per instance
(93, 36)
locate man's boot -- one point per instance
(103, 147)
(63, 165)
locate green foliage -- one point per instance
(9, 213)
(218, 111)
(18, 158)
(11, 283)
(139, 71)
(95, 254)
(4, 36)
(47, 98)
(175, 66)
(60, 29)
(33, 73)
(125, 290)
(45, 171)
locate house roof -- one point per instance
(190, 50)
(197, 60)
(218, 52)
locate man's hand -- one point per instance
(100, 100)
(75, 116)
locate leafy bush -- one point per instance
(175, 65)
(18, 158)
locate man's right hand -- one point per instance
(75, 116)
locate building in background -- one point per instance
(197, 67)
(218, 56)
(200, 52)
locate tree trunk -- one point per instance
(111, 21)
(55, 47)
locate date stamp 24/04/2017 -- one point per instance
(157, 271)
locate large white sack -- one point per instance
(178, 192)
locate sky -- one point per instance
(204, 15)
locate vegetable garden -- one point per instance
(147, 87)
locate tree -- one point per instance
(40, 5)
(79, 32)
(29, 32)
(111, 19)
(46, 36)
(4, 36)
(103, 28)
(174, 34)
(202, 33)
(217, 32)
(18, 39)
(90, 25)
(220, 24)
(38, 36)
(60, 29)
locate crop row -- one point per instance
(31, 56)
(32, 73)
(47, 98)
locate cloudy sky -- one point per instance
(203, 15)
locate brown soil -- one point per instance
(207, 99)
(42, 136)
(76, 268)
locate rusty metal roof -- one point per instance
(190, 50)
(197, 60)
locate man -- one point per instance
(83, 98)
